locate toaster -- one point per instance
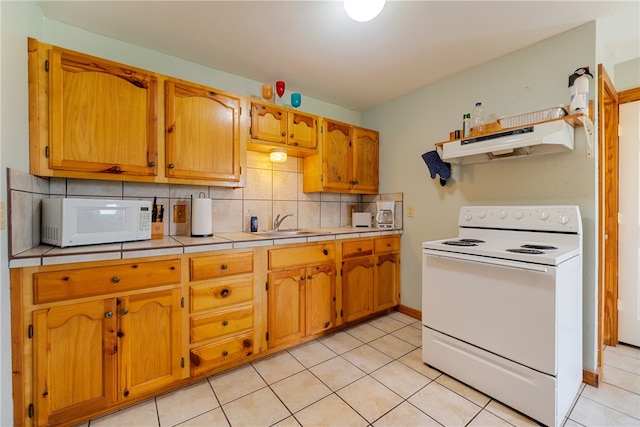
(361, 219)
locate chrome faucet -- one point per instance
(278, 221)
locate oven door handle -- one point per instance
(497, 262)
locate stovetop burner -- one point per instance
(472, 240)
(540, 247)
(462, 242)
(526, 251)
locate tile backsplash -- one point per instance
(271, 189)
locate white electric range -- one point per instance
(502, 306)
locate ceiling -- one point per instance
(320, 52)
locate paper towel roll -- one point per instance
(201, 224)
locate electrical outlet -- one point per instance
(179, 213)
(409, 211)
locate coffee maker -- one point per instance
(385, 215)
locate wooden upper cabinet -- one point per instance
(202, 133)
(273, 126)
(102, 116)
(268, 123)
(365, 160)
(347, 163)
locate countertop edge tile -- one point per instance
(175, 245)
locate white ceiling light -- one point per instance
(363, 10)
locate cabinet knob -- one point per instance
(309, 277)
(388, 245)
(225, 353)
(225, 323)
(359, 249)
(152, 164)
(326, 252)
(115, 279)
(225, 293)
(172, 166)
(326, 324)
(108, 314)
(291, 136)
(224, 266)
(283, 134)
(124, 311)
(302, 278)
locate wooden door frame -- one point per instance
(607, 215)
(608, 119)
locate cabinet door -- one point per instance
(365, 160)
(357, 288)
(149, 341)
(302, 130)
(102, 116)
(286, 306)
(202, 133)
(75, 357)
(268, 123)
(321, 298)
(387, 281)
(337, 156)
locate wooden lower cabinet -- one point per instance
(370, 276)
(75, 360)
(357, 288)
(90, 355)
(301, 303)
(222, 314)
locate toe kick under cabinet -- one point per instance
(221, 310)
(89, 337)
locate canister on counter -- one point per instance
(254, 224)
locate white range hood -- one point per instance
(543, 138)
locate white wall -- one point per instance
(527, 80)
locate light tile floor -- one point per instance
(369, 375)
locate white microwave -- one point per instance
(75, 222)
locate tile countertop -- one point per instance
(174, 245)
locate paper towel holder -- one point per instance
(201, 225)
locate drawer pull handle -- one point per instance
(359, 249)
(225, 293)
(224, 266)
(326, 252)
(115, 279)
(225, 323)
(225, 353)
(108, 314)
(124, 311)
(388, 245)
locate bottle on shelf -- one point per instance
(466, 125)
(477, 119)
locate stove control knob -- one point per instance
(482, 214)
(543, 215)
(502, 215)
(563, 219)
(467, 216)
(517, 215)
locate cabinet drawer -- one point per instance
(220, 323)
(387, 244)
(217, 295)
(211, 267)
(213, 355)
(357, 248)
(83, 282)
(301, 255)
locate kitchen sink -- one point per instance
(288, 233)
